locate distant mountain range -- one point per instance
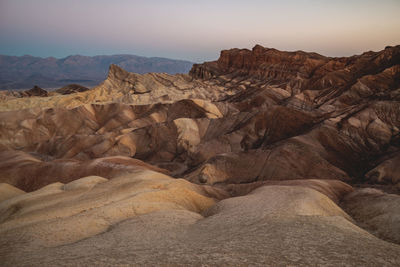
(26, 71)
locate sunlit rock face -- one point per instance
(262, 157)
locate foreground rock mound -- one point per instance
(147, 215)
(376, 211)
(90, 205)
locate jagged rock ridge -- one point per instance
(71, 88)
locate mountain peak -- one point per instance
(24, 72)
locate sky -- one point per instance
(195, 30)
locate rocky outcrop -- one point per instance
(248, 122)
(35, 91)
(300, 71)
(336, 111)
(128, 88)
(71, 88)
(210, 130)
(387, 172)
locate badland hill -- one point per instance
(263, 157)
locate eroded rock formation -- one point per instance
(71, 88)
(271, 146)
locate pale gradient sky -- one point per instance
(195, 30)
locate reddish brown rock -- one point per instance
(287, 115)
(30, 173)
(71, 88)
(35, 91)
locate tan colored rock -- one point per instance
(188, 133)
(8, 191)
(71, 88)
(388, 172)
(59, 214)
(306, 115)
(272, 135)
(375, 211)
(131, 220)
(29, 173)
(128, 88)
(86, 183)
(281, 201)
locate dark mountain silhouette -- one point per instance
(26, 71)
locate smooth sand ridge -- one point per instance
(58, 213)
(375, 211)
(8, 191)
(150, 218)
